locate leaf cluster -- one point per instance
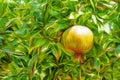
(30, 33)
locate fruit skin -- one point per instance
(77, 39)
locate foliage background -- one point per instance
(30, 32)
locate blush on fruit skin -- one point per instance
(77, 39)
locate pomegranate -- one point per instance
(77, 39)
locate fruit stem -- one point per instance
(79, 58)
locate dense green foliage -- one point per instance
(30, 33)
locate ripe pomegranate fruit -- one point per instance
(77, 39)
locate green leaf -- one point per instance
(117, 49)
(32, 61)
(14, 68)
(96, 63)
(61, 25)
(92, 3)
(37, 43)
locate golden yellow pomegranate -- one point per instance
(77, 39)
